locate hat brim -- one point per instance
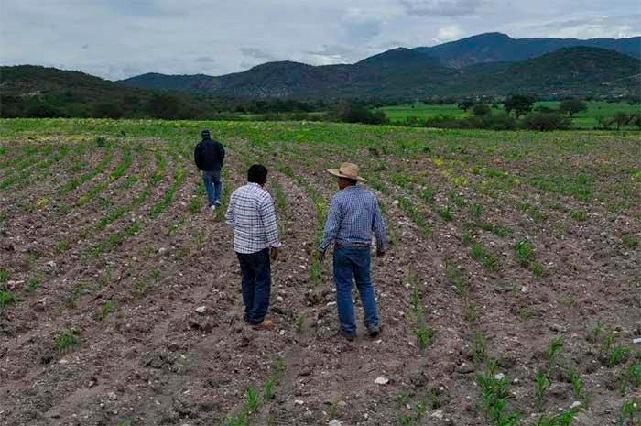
(337, 173)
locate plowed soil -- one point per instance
(513, 256)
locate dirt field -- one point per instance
(511, 293)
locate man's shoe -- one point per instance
(212, 208)
(349, 336)
(373, 330)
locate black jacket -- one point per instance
(209, 155)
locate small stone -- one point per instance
(201, 309)
(438, 414)
(279, 299)
(162, 250)
(499, 376)
(112, 395)
(381, 380)
(465, 369)
(299, 402)
(52, 265)
(335, 423)
(637, 341)
(575, 404)
(63, 361)
(557, 328)
(331, 303)
(341, 403)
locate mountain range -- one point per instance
(487, 64)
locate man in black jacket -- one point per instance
(209, 156)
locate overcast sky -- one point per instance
(116, 39)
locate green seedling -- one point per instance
(105, 309)
(618, 354)
(66, 340)
(7, 297)
(446, 214)
(424, 336)
(541, 384)
(524, 252)
(476, 210)
(554, 348)
(251, 400)
(479, 348)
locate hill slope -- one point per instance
(568, 71)
(497, 47)
(39, 91)
(408, 73)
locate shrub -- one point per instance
(545, 121)
(352, 112)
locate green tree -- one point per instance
(572, 106)
(520, 104)
(164, 105)
(480, 109)
(466, 104)
(621, 119)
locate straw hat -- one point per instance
(347, 171)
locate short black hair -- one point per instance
(257, 174)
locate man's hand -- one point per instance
(273, 253)
(321, 256)
(380, 252)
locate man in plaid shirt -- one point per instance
(252, 214)
(354, 215)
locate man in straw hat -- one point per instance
(354, 215)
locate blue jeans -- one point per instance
(353, 262)
(257, 281)
(213, 185)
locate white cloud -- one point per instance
(441, 7)
(449, 32)
(121, 38)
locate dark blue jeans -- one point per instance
(353, 262)
(257, 281)
(213, 185)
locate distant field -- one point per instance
(587, 119)
(510, 293)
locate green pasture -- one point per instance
(585, 120)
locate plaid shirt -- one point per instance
(252, 214)
(353, 216)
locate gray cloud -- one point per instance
(255, 53)
(441, 7)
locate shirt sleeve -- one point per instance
(230, 214)
(378, 227)
(332, 225)
(270, 221)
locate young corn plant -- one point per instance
(553, 350)
(66, 340)
(494, 399)
(541, 384)
(630, 413)
(564, 418)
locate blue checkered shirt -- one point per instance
(354, 215)
(252, 214)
